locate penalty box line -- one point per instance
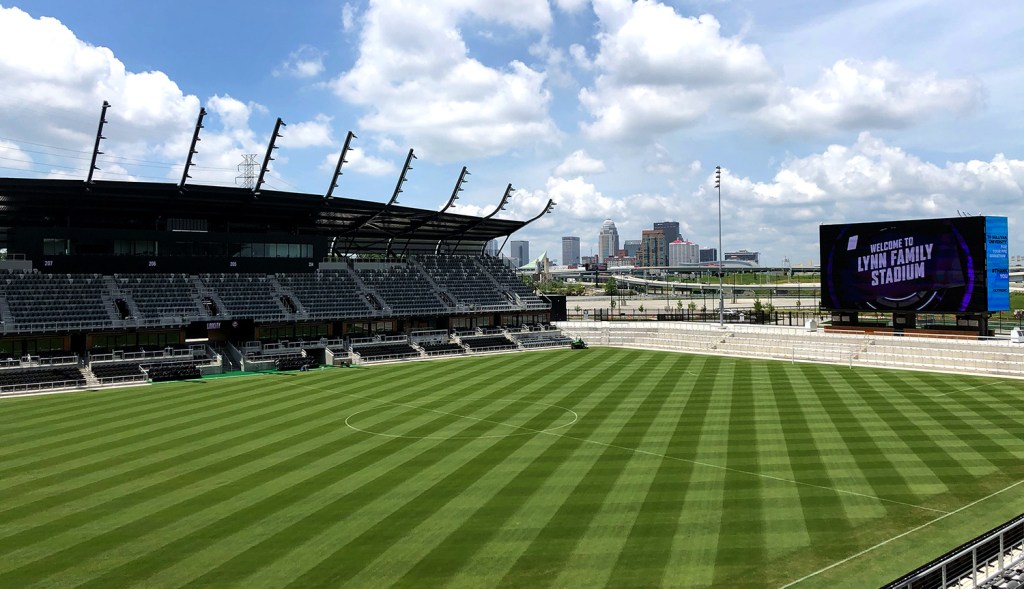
(656, 454)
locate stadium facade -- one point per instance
(96, 268)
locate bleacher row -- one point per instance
(460, 343)
(975, 356)
(426, 285)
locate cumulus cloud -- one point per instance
(54, 84)
(578, 163)
(305, 62)
(46, 68)
(869, 180)
(359, 161)
(417, 81)
(12, 156)
(659, 71)
(571, 6)
(314, 133)
(877, 95)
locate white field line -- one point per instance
(910, 531)
(655, 454)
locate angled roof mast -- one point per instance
(477, 222)
(267, 158)
(451, 202)
(192, 149)
(341, 161)
(99, 136)
(547, 209)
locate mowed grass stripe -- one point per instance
(120, 432)
(808, 462)
(277, 390)
(933, 432)
(187, 478)
(473, 552)
(371, 513)
(868, 447)
(148, 456)
(643, 556)
(278, 508)
(593, 559)
(64, 541)
(593, 469)
(785, 524)
(170, 514)
(399, 564)
(154, 403)
(219, 526)
(981, 426)
(741, 534)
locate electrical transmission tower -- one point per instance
(246, 177)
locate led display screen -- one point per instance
(954, 265)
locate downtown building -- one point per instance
(607, 241)
(570, 251)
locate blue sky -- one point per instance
(818, 112)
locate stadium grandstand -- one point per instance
(109, 282)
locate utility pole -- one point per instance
(721, 252)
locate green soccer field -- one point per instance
(604, 467)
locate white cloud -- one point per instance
(660, 71)
(571, 6)
(305, 62)
(867, 181)
(417, 80)
(315, 133)
(358, 161)
(11, 156)
(63, 81)
(880, 94)
(54, 85)
(578, 163)
(349, 14)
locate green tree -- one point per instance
(611, 288)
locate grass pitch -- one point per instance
(605, 467)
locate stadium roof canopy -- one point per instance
(353, 225)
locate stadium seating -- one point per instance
(15, 380)
(443, 349)
(163, 298)
(375, 352)
(246, 295)
(404, 289)
(469, 285)
(38, 302)
(327, 294)
(488, 343)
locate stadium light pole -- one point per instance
(721, 255)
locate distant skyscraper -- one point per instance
(520, 252)
(681, 253)
(671, 231)
(632, 246)
(607, 241)
(570, 251)
(652, 248)
(709, 254)
(491, 249)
